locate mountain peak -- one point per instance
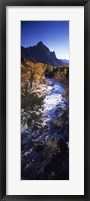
(41, 53)
(40, 43)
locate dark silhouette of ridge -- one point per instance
(41, 53)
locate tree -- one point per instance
(31, 107)
(34, 72)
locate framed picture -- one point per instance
(44, 100)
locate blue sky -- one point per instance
(54, 34)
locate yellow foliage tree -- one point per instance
(33, 72)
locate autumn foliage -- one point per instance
(34, 72)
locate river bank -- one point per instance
(47, 150)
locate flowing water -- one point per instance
(33, 146)
(53, 100)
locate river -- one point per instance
(53, 101)
(44, 153)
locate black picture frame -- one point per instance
(3, 5)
